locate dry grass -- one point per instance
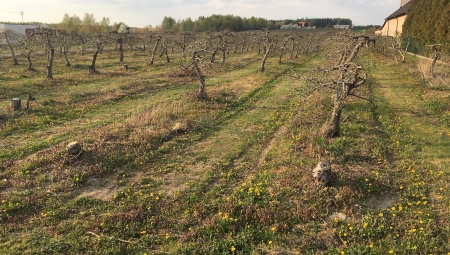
(441, 75)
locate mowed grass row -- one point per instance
(415, 118)
(62, 104)
(39, 168)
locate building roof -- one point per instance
(400, 12)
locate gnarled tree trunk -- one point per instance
(51, 55)
(10, 48)
(65, 52)
(30, 64)
(120, 42)
(158, 39)
(201, 92)
(92, 69)
(263, 63)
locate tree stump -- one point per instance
(16, 104)
(322, 173)
(74, 148)
(180, 128)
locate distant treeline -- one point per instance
(428, 22)
(236, 23)
(368, 29)
(215, 23)
(317, 22)
(22, 23)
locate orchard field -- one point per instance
(166, 171)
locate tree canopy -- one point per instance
(88, 25)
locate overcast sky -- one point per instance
(140, 13)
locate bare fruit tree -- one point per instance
(342, 79)
(401, 45)
(12, 39)
(98, 44)
(183, 39)
(157, 38)
(49, 37)
(65, 48)
(288, 38)
(166, 42)
(268, 46)
(437, 53)
(118, 40)
(220, 42)
(82, 39)
(30, 46)
(199, 51)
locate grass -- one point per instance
(239, 180)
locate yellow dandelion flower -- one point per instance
(233, 248)
(380, 214)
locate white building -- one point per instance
(342, 26)
(22, 29)
(295, 26)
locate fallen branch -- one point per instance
(295, 74)
(360, 97)
(126, 241)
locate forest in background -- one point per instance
(89, 24)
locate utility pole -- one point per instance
(21, 13)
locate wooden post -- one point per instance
(16, 104)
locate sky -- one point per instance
(141, 13)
